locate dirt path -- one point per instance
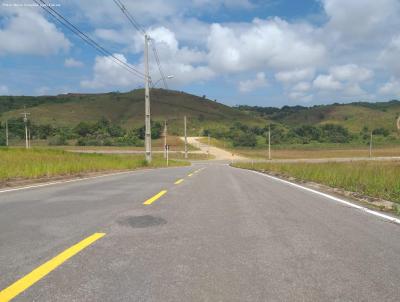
(218, 153)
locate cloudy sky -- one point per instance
(258, 52)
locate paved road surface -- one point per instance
(221, 234)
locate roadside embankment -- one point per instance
(375, 182)
(20, 165)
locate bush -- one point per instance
(245, 139)
(381, 131)
(58, 140)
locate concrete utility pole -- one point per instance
(370, 146)
(186, 147)
(25, 114)
(165, 139)
(167, 148)
(208, 148)
(7, 133)
(269, 142)
(147, 79)
(29, 137)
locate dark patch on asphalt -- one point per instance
(142, 221)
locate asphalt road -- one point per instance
(222, 234)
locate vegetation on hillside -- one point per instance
(117, 119)
(241, 135)
(100, 133)
(375, 179)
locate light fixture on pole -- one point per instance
(171, 76)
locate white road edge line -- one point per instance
(65, 181)
(342, 201)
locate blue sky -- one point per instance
(268, 53)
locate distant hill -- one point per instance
(353, 116)
(127, 110)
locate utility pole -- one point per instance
(29, 137)
(165, 139)
(208, 149)
(269, 142)
(25, 114)
(186, 149)
(370, 146)
(167, 148)
(7, 133)
(147, 100)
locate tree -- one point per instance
(156, 128)
(245, 139)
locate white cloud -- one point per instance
(389, 57)
(71, 62)
(215, 4)
(351, 73)
(302, 87)
(4, 90)
(300, 96)
(295, 75)
(361, 20)
(391, 88)
(272, 43)
(28, 32)
(354, 90)
(326, 82)
(250, 85)
(109, 74)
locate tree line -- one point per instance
(100, 133)
(247, 136)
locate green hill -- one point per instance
(353, 116)
(126, 109)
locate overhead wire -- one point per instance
(62, 20)
(141, 30)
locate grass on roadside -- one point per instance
(380, 179)
(39, 163)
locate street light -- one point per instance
(168, 77)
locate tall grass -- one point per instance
(36, 163)
(379, 179)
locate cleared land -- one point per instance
(380, 179)
(18, 164)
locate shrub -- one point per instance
(58, 140)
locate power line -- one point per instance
(141, 30)
(155, 52)
(131, 19)
(62, 20)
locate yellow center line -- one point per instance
(179, 181)
(190, 175)
(154, 198)
(27, 281)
